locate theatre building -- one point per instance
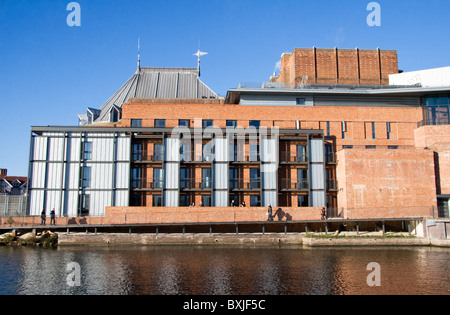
(330, 130)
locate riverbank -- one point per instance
(250, 239)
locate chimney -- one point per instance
(3, 172)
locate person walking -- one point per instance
(269, 213)
(52, 217)
(323, 214)
(43, 217)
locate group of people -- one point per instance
(52, 217)
(242, 204)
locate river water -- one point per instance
(173, 270)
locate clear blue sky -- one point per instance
(50, 72)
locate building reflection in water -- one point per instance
(224, 271)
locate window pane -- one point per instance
(207, 123)
(86, 180)
(136, 123)
(158, 152)
(206, 201)
(157, 201)
(255, 201)
(255, 123)
(87, 150)
(184, 123)
(231, 123)
(160, 123)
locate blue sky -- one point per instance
(50, 72)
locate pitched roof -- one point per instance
(155, 83)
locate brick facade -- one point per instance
(338, 66)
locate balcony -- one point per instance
(196, 184)
(294, 185)
(287, 157)
(146, 156)
(145, 184)
(332, 185)
(241, 184)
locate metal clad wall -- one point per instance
(318, 198)
(270, 100)
(317, 176)
(316, 150)
(56, 166)
(317, 172)
(171, 198)
(221, 198)
(269, 197)
(172, 172)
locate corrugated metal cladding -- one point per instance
(317, 172)
(365, 100)
(221, 172)
(56, 172)
(172, 172)
(158, 83)
(274, 100)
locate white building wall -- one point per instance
(438, 77)
(55, 169)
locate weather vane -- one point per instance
(199, 54)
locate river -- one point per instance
(193, 270)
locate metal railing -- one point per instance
(146, 156)
(195, 183)
(239, 183)
(287, 157)
(144, 183)
(291, 184)
(13, 206)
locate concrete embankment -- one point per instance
(271, 239)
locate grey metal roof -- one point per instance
(183, 83)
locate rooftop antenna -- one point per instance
(199, 54)
(139, 56)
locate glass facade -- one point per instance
(437, 109)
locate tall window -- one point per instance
(136, 178)
(85, 201)
(302, 201)
(158, 178)
(301, 153)
(157, 201)
(234, 178)
(302, 178)
(254, 178)
(86, 177)
(388, 130)
(206, 200)
(253, 152)
(87, 150)
(373, 131)
(136, 152)
(255, 201)
(344, 128)
(206, 178)
(184, 178)
(158, 152)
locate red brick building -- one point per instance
(327, 132)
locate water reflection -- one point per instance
(224, 271)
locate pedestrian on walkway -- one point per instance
(269, 213)
(52, 217)
(323, 214)
(43, 217)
